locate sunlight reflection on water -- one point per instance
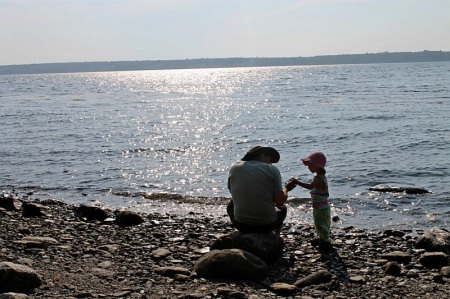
(179, 131)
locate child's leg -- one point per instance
(322, 222)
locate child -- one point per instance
(319, 196)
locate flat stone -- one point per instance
(357, 279)
(397, 256)
(283, 289)
(36, 241)
(319, 277)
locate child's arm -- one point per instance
(304, 185)
(316, 183)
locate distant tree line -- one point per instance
(110, 66)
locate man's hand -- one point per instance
(291, 184)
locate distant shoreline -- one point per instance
(114, 66)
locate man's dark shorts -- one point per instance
(252, 228)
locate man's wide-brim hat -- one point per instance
(255, 151)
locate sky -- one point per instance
(45, 31)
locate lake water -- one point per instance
(140, 140)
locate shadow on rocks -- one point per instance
(335, 264)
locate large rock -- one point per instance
(90, 213)
(398, 188)
(9, 202)
(128, 218)
(231, 263)
(33, 209)
(434, 259)
(18, 278)
(435, 239)
(268, 246)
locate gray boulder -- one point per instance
(231, 263)
(18, 278)
(268, 246)
(436, 239)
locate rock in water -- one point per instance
(398, 188)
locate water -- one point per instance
(126, 139)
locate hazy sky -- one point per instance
(39, 31)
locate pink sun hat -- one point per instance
(316, 159)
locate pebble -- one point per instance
(94, 259)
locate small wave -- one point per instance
(376, 117)
(22, 188)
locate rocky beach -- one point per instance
(51, 249)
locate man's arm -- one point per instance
(280, 197)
